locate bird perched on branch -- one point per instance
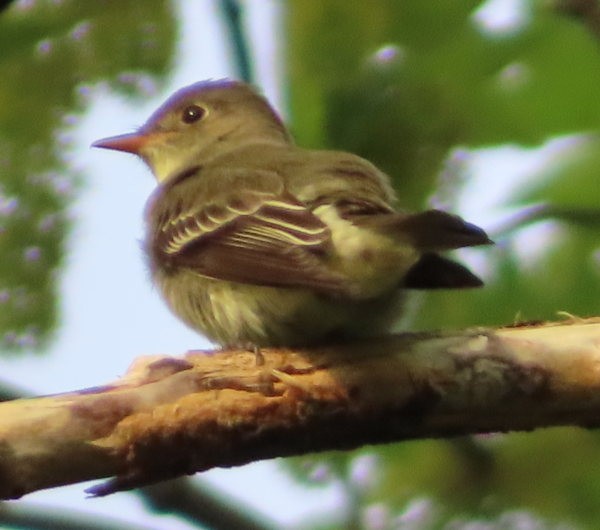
(253, 240)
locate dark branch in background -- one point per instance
(545, 212)
(232, 13)
(38, 517)
(586, 11)
(8, 392)
(199, 505)
(5, 4)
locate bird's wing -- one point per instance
(250, 236)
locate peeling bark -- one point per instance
(173, 416)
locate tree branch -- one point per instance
(202, 506)
(5, 4)
(586, 11)
(37, 517)
(173, 416)
(232, 14)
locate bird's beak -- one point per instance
(130, 143)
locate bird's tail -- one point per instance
(430, 232)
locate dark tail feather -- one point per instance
(437, 230)
(435, 272)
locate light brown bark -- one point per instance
(171, 416)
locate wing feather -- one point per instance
(251, 237)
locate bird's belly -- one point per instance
(237, 314)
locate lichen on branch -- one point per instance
(171, 416)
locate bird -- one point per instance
(254, 240)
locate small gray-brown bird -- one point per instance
(253, 240)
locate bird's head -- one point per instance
(198, 123)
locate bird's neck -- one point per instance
(243, 134)
(168, 165)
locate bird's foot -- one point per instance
(248, 346)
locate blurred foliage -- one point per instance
(51, 53)
(406, 84)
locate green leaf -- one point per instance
(48, 51)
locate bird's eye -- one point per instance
(192, 113)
